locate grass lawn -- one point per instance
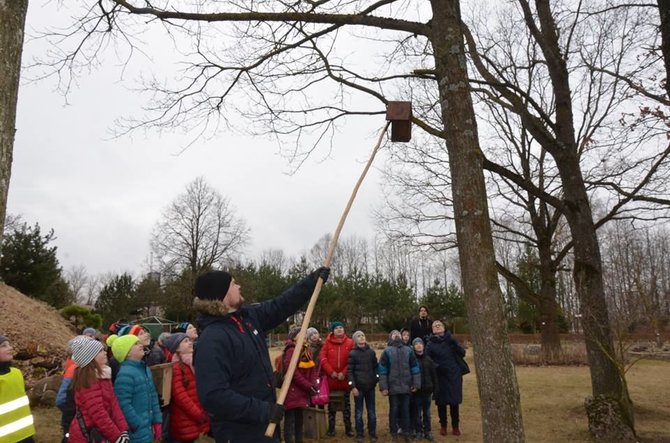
(552, 399)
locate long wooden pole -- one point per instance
(300, 340)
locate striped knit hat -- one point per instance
(84, 351)
(72, 342)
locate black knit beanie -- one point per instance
(213, 285)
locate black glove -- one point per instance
(322, 272)
(123, 438)
(276, 413)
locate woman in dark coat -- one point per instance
(442, 349)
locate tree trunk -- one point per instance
(12, 22)
(548, 307)
(550, 337)
(496, 378)
(544, 226)
(607, 379)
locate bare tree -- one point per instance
(77, 279)
(197, 231)
(12, 24)
(95, 283)
(549, 112)
(637, 270)
(275, 258)
(353, 254)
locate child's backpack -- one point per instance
(279, 370)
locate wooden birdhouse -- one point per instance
(400, 116)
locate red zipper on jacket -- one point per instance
(237, 322)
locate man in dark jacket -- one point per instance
(232, 365)
(362, 377)
(421, 327)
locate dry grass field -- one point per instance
(552, 401)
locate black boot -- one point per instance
(331, 423)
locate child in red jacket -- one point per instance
(98, 412)
(334, 359)
(187, 417)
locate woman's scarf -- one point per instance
(106, 373)
(306, 360)
(187, 359)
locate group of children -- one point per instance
(108, 392)
(405, 373)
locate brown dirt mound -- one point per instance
(38, 333)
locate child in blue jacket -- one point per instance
(136, 392)
(399, 376)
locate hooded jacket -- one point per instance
(233, 372)
(362, 368)
(398, 369)
(335, 358)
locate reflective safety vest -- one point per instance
(16, 421)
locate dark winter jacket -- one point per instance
(335, 358)
(114, 364)
(442, 350)
(233, 371)
(420, 328)
(99, 409)
(362, 368)
(398, 369)
(187, 417)
(158, 355)
(303, 382)
(428, 374)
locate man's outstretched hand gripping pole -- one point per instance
(300, 339)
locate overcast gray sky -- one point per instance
(102, 195)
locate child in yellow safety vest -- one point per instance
(16, 421)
